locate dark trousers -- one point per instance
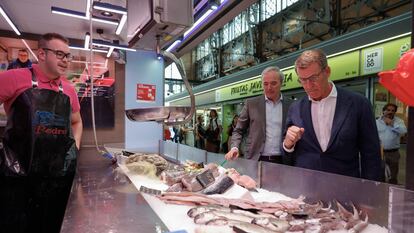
(392, 159)
(33, 204)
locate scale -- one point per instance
(168, 115)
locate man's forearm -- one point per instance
(77, 129)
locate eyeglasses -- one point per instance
(60, 54)
(312, 79)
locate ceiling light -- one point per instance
(109, 7)
(173, 45)
(88, 8)
(80, 15)
(70, 13)
(87, 40)
(198, 22)
(121, 24)
(6, 17)
(111, 49)
(107, 21)
(109, 45)
(106, 14)
(31, 51)
(82, 48)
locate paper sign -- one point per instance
(145, 92)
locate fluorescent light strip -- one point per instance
(109, 7)
(66, 12)
(106, 63)
(111, 49)
(6, 17)
(121, 24)
(173, 45)
(82, 48)
(88, 8)
(87, 40)
(109, 45)
(205, 15)
(30, 50)
(104, 21)
(79, 15)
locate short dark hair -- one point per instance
(389, 104)
(311, 56)
(50, 36)
(23, 50)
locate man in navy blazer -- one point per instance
(332, 129)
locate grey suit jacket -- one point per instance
(253, 119)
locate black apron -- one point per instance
(37, 161)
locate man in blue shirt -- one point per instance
(390, 129)
(22, 61)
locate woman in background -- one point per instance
(213, 133)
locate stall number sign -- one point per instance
(145, 92)
(373, 60)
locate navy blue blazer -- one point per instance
(354, 132)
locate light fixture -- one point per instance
(106, 14)
(80, 15)
(87, 49)
(70, 13)
(109, 45)
(173, 45)
(198, 22)
(30, 50)
(88, 8)
(121, 24)
(87, 40)
(7, 18)
(111, 49)
(109, 7)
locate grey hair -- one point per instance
(275, 69)
(311, 56)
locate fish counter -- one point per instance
(282, 198)
(101, 201)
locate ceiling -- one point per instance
(34, 18)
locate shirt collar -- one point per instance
(332, 94)
(280, 98)
(41, 77)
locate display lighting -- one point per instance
(212, 8)
(111, 49)
(121, 24)
(173, 45)
(80, 15)
(87, 40)
(87, 49)
(30, 50)
(9, 21)
(109, 45)
(109, 7)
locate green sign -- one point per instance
(344, 66)
(241, 90)
(383, 56)
(291, 80)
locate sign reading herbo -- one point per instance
(145, 92)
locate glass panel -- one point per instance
(401, 216)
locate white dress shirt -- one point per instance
(274, 111)
(323, 112)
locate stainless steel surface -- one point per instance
(169, 149)
(244, 167)
(103, 201)
(401, 216)
(171, 115)
(190, 153)
(370, 196)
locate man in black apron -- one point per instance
(41, 140)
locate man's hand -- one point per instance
(293, 135)
(232, 154)
(388, 121)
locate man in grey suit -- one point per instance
(264, 117)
